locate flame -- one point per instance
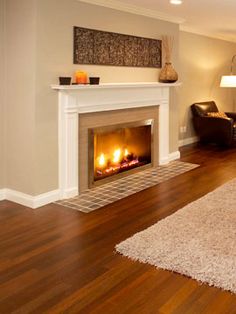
(117, 161)
(116, 155)
(101, 160)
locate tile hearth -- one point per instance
(108, 193)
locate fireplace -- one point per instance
(117, 150)
(84, 107)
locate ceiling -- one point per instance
(214, 18)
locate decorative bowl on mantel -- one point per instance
(94, 80)
(64, 80)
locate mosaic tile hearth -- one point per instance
(108, 193)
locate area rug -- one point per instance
(198, 240)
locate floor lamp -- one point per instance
(229, 80)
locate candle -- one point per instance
(81, 77)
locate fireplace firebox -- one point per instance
(118, 150)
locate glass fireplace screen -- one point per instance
(118, 149)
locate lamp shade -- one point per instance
(228, 81)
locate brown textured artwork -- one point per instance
(105, 48)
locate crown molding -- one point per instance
(120, 6)
(117, 5)
(197, 31)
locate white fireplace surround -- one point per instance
(78, 99)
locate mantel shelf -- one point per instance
(115, 85)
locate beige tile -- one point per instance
(109, 193)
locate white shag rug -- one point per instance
(198, 240)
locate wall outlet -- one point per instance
(183, 129)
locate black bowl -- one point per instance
(94, 80)
(65, 80)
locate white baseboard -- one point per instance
(69, 193)
(174, 156)
(46, 198)
(187, 141)
(20, 198)
(29, 200)
(2, 194)
(170, 157)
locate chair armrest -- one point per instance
(214, 129)
(231, 115)
(217, 122)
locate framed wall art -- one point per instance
(105, 48)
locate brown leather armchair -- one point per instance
(210, 129)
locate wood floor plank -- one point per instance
(58, 260)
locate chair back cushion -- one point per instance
(202, 108)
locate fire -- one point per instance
(101, 160)
(117, 155)
(120, 159)
(118, 149)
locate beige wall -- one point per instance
(2, 101)
(202, 62)
(20, 94)
(39, 48)
(55, 57)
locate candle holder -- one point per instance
(64, 80)
(81, 77)
(94, 80)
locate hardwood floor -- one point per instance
(57, 260)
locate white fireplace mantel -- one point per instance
(78, 99)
